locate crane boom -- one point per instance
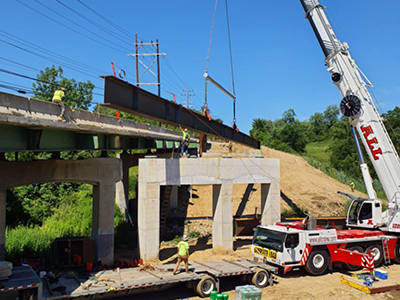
(357, 104)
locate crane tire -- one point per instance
(378, 252)
(317, 262)
(261, 278)
(396, 258)
(352, 267)
(205, 286)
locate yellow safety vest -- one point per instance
(58, 95)
(186, 136)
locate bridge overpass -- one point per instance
(32, 125)
(28, 124)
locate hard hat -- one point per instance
(185, 238)
(63, 89)
(185, 129)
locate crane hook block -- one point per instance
(350, 105)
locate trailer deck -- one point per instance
(131, 281)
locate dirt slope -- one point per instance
(302, 186)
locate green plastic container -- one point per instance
(219, 297)
(225, 296)
(213, 295)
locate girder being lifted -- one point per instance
(121, 95)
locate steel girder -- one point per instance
(121, 95)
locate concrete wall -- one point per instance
(102, 173)
(221, 173)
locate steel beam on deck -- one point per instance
(121, 95)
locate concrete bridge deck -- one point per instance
(28, 124)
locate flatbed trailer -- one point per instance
(204, 277)
(23, 284)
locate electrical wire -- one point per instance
(93, 23)
(65, 59)
(35, 79)
(17, 63)
(108, 21)
(78, 32)
(44, 57)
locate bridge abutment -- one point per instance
(102, 173)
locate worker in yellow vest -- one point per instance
(185, 142)
(57, 98)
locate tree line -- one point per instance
(291, 135)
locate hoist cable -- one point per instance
(211, 34)
(231, 59)
(230, 47)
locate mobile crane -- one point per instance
(357, 104)
(291, 245)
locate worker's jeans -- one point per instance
(184, 149)
(62, 106)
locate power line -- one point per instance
(65, 59)
(35, 79)
(127, 33)
(90, 21)
(17, 63)
(78, 32)
(44, 57)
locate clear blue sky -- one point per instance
(278, 63)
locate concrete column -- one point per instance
(122, 187)
(3, 198)
(103, 221)
(222, 217)
(173, 200)
(149, 220)
(270, 208)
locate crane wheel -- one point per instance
(378, 254)
(352, 267)
(317, 262)
(205, 286)
(396, 258)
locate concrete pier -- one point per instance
(222, 174)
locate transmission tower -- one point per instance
(156, 59)
(188, 95)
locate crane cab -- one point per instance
(364, 213)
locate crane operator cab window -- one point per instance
(365, 212)
(292, 240)
(353, 212)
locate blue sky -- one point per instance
(278, 63)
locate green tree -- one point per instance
(343, 151)
(331, 115)
(318, 126)
(392, 122)
(77, 94)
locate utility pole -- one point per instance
(188, 105)
(156, 57)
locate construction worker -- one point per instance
(183, 254)
(185, 141)
(57, 98)
(352, 186)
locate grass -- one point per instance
(318, 151)
(72, 218)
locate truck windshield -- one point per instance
(269, 239)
